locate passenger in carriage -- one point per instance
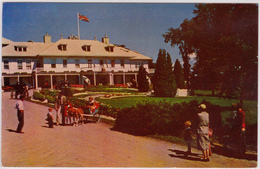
(91, 105)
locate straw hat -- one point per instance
(202, 106)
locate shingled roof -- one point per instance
(73, 48)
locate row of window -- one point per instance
(20, 48)
(63, 47)
(65, 63)
(19, 64)
(90, 63)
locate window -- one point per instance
(109, 48)
(65, 63)
(20, 64)
(77, 63)
(62, 47)
(86, 48)
(6, 64)
(112, 63)
(20, 48)
(53, 63)
(101, 63)
(122, 63)
(28, 63)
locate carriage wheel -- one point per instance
(96, 117)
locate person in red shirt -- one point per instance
(242, 128)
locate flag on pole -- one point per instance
(83, 18)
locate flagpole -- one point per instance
(78, 25)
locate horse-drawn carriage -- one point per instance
(95, 114)
(80, 113)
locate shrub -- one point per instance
(77, 102)
(51, 99)
(108, 110)
(38, 96)
(164, 118)
(49, 92)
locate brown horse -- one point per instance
(76, 115)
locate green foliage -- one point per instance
(77, 102)
(226, 54)
(45, 94)
(51, 99)
(164, 82)
(108, 110)
(178, 73)
(38, 96)
(49, 92)
(143, 84)
(105, 88)
(163, 118)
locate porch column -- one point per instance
(65, 76)
(79, 79)
(33, 82)
(136, 79)
(111, 79)
(3, 83)
(51, 82)
(124, 78)
(18, 78)
(36, 81)
(95, 83)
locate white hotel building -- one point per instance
(69, 59)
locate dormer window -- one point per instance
(62, 47)
(110, 48)
(20, 48)
(86, 48)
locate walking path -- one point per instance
(90, 145)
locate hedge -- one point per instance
(164, 118)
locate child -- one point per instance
(50, 118)
(91, 104)
(187, 136)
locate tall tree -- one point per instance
(143, 84)
(226, 48)
(164, 83)
(182, 37)
(179, 76)
(159, 73)
(170, 79)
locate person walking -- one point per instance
(63, 103)
(50, 117)
(20, 114)
(58, 108)
(202, 132)
(242, 130)
(187, 136)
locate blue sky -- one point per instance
(139, 26)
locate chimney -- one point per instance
(95, 38)
(61, 36)
(105, 40)
(47, 38)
